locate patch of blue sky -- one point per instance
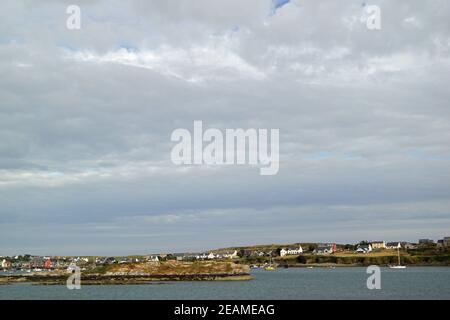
(128, 46)
(277, 4)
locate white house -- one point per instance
(259, 253)
(6, 264)
(211, 255)
(152, 258)
(325, 248)
(378, 244)
(201, 256)
(364, 248)
(231, 255)
(291, 251)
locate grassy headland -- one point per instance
(346, 258)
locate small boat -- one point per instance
(310, 267)
(270, 267)
(399, 266)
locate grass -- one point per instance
(370, 254)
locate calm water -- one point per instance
(317, 283)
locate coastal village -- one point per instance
(421, 252)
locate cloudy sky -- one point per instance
(86, 117)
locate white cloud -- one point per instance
(194, 64)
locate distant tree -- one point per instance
(241, 253)
(349, 247)
(301, 259)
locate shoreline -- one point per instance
(139, 273)
(98, 279)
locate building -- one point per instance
(408, 245)
(291, 251)
(325, 248)
(48, 264)
(446, 241)
(364, 248)
(109, 260)
(37, 262)
(258, 253)
(211, 255)
(230, 255)
(6, 264)
(202, 256)
(378, 244)
(424, 242)
(443, 242)
(393, 245)
(152, 258)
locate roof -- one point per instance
(393, 244)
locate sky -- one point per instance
(86, 118)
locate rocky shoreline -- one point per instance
(93, 279)
(139, 274)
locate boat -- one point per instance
(399, 266)
(310, 267)
(271, 266)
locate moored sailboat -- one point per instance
(399, 266)
(271, 266)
